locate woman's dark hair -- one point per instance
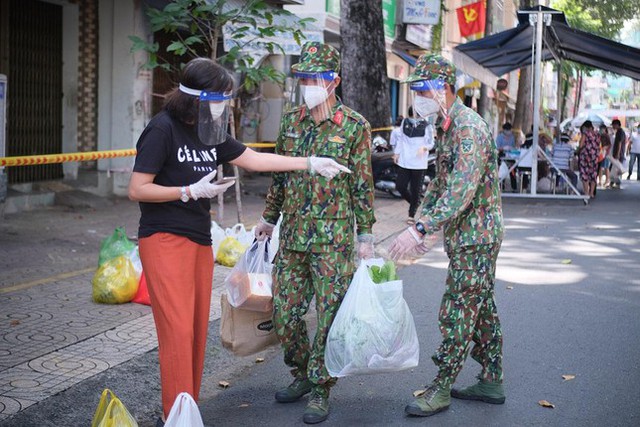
(587, 124)
(506, 126)
(398, 120)
(199, 74)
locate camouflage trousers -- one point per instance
(468, 314)
(298, 277)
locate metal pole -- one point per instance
(559, 102)
(536, 101)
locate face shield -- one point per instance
(313, 90)
(428, 99)
(213, 114)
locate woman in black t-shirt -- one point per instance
(177, 156)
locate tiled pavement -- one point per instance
(53, 336)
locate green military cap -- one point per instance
(431, 66)
(317, 57)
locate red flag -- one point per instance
(472, 18)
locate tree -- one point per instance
(523, 116)
(195, 27)
(484, 104)
(365, 85)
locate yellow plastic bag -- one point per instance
(230, 251)
(115, 282)
(111, 412)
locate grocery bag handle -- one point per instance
(256, 244)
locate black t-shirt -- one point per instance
(171, 151)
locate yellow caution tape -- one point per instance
(44, 159)
(382, 129)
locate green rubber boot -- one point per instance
(317, 409)
(297, 389)
(483, 392)
(435, 399)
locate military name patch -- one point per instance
(336, 139)
(466, 146)
(290, 134)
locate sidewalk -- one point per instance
(54, 337)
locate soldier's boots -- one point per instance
(298, 388)
(317, 409)
(435, 399)
(489, 392)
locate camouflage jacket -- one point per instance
(464, 198)
(318, 214)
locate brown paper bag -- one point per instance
(245, 332)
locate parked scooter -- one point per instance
(385, 170)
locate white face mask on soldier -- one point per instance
(314, 95)
(217, 108)
(425, 107)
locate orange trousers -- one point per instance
(179, 275)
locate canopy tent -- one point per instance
(543, 34)
(497, 54)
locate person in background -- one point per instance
(603, 156)
(634, 152)
(505, 141)
(177, 156)
(561, 158)
(588, 158)
(617, 152)
(324, 229)
(396, 132)
(411, 154)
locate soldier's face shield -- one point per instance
(213, 115)
(429, 98)
(312, 89)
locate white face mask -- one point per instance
(425, 107)
(314, 95)
(217, 108)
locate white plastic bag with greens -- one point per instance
(373, 330)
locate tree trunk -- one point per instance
(365, 86)
(484, 104)
(523, 117)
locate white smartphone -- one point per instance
(224, 180)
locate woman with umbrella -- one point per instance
(588, 158)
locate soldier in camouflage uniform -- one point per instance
(463, 199)
(317, 239)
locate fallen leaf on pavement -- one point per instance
(223, 384)
(418, 393)
(565, 261)
(509, 287)
(259, 359)
(568, 377)
(15, 322)
(546, 404)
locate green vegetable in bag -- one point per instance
(386, 273)
(118, 244)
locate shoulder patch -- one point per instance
(466, 146)
(337, 139)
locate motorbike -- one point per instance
(385, 170)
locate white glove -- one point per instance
(365, 246)
(405, 243)
(206, 189)
(325, 166)
(263, 230)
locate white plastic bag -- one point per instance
(240, 233)
(503, 171)
(373, 330)
(275, 240)
(184, 413)
(134, 257)
(217, 236)
(249, 284)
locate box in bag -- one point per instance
(251, 291)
